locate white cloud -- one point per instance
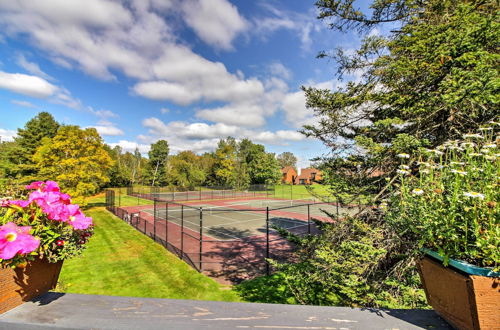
(202, 137)
(24, 104)
(163, 90)
(164, 110)
(294, 105)
(216, 22)
(64, 97)
(102, 113)
(278, 69)
(32, 67)
(26, 84)
(130, 146)
(7, 135)
(108, 130)
(301, 24)
(247, 115)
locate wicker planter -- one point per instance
(23, 284)
(465, 301)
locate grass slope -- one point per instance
(120, 261)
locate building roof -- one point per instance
(305, 173)
(287, 169)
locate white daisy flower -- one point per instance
(475, 154)
(486, 129)
(404, 167)
(474, 194)
(403, 156)
(404, 172)
(457, 163)
(468, 145)
(426, 171)
(459, 172)
(417, 191)
(488, 157)
(490, 145)
(473, 136)
(437, 152)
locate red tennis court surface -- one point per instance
(230, 239)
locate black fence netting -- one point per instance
(232, 242)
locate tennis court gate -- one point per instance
(231, 260)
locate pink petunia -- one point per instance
(77, 219)
(51, 186)
(48, 186)
(15, 239)
(35, 185)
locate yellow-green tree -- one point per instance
(76, 159)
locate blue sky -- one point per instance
(190, 71)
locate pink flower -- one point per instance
(35, 185)
(76, 217)
(20, 203)
(48, 186)
(51, 186)
(52, 203)
(14, 240)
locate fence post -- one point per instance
(267, 241)
(166, 225)
(145, 223)
(154, 220)
(182, 232)
(201, 239)
(200, 193)
(308, 218)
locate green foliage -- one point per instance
(158, 156)
(26, 143)
(353, 262)
(76, 159)
(433, 79)
(451, 202)
(287, 159)
(225, 162)
(185, 170)
(264, 169)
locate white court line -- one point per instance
(211, 226)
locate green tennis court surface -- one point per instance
(237, 220)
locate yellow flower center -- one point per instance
(72, 218)
(11, 237)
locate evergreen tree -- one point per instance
(28, 140)
(432, 78)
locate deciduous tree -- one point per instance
(76, 159)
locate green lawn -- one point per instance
(120, 261)
(300, 191)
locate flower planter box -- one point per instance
(465, 301)
(23, 284)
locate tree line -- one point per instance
(80, 161)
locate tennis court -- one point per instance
(227, 238)
(237, 219)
